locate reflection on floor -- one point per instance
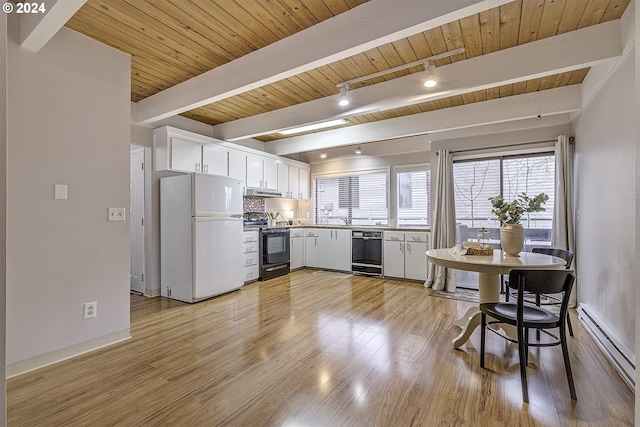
(308, 350)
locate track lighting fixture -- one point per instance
(430, 81)
(358, 149)
(344, 98)
(323, 154)
(431, 78)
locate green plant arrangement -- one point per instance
(511, 213)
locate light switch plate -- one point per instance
(113, 214)
(60, 191)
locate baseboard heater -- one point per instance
(617, 352)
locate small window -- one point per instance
(352, 198)
(414, 196)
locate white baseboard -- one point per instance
(37, 362)
(622, 357)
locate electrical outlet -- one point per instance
(120, 213)
(90, 309)
(113, 214)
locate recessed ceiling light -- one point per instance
(315, 126)
(323, 155)
(358, 150)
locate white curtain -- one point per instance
(443, 226)
(562, 232)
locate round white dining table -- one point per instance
(490, 268)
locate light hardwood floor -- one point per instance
(310, 350)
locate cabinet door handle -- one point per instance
(402, 247)
(409, 248)
(265, 184)
(197, 167)
(206, 168)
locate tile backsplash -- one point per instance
(253, 204)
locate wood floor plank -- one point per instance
(306, 349)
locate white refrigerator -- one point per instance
(200, 236)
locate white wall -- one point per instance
(68, 115)
(605, 172)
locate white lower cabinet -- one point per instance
(251, 253)
(297, 248)
(311, 248)
(328, 248)
(405, 254)
(335, 249)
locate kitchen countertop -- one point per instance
(350, 227)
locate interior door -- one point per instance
(136, 217)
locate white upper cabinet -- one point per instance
(215, 160)
(184, 151)
(238, 164)
(283, 179)
(304, 183)
(294, 182)
(270, 173)
(185, 156)
(262, 172)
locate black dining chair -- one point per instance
(549, 299)
(525, 316)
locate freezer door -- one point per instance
(216, 194)
(218, 266)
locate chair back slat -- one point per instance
(560, 253)
(542, 281)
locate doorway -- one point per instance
(136, 216)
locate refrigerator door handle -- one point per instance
(214, 218)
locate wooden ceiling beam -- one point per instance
(567, 52)
(365, 27)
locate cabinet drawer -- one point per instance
(251, 273)
(249, 248)
(297, 232)
(416, 236)
(251, 259)
(396, 236)
(249, 236)
(311, 233)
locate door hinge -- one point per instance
(142, 277)
(142, 166)
(142, 222)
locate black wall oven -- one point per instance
(275, 252)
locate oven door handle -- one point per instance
(280, 267)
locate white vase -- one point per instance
(512, 239)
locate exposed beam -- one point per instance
(566, 52)
(36, 29)
(549, 102)
(360, 29)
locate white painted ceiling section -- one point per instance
(36, 29)
(570, 51)
(372, 24)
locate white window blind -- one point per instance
(353, 198)
(413, 196)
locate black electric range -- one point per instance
(274, 246)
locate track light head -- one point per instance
(343, 100)
(323, 154)
(358, 149)
(431, 76)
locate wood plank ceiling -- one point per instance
(172, 41)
